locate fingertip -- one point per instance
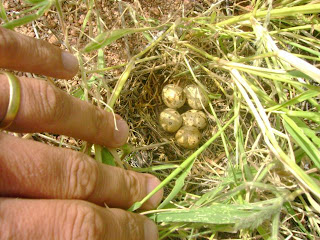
(22, 53)
(120, 132)
(70, 64)
(109, 129)
(121, 224)
(150, 230)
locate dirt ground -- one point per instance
(49, 28)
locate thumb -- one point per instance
(22, 53)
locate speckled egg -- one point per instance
(173, 96)
(170, 120)
(188, 137)
(195, 97)
(194, 118)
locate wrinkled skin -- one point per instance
(54, 193)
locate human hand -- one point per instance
(53, 193)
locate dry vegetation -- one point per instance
(256, 175)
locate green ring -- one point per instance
(14, 101)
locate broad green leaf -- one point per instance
(177, 187)
(240, 216)
(78, 93)
(106, 38)
(107, 157)
(302, 140)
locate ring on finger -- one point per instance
(14, 101)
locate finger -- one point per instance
(45, 108)
(70, 219)
(35, 170)
(22, 53)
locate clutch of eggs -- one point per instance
(174, 97)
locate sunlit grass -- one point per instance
(257, 172)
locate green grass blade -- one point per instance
(299, 74)
(29, 18)
(36, 1)
(296, 219)
(302, 97)
(106, 38)
(156, 168)
(177, 187)
(20, 21)
(282, 12)
(205, 198)
(275, 225)
(300, 64)
(307, 131)
(3, 14)
(297, 45)
(86, 20)
(313, 116)
(302, 140)
(185, 164)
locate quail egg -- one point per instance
(173, 96)
(188, 137)
(170, 120)
(195, 97)
(194, 118)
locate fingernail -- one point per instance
(150, 230)
(121, 135)
(70, 62)
(153, 182)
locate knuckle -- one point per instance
(100, 121)
(134, 187)
(135, 230)
(82, 222)
(51, 108)
(4, 40)
(125, 225)
(82, 175)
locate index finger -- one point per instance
(45, 108)
(22, 53)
